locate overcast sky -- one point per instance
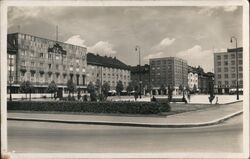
(191, 33)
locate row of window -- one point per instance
(233, 69)
(231, 55)
(226, 63)
(51, 56)
(231, 83)
(227, 76)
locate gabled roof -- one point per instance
(105, 61)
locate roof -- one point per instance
(234, 49)
(144, 69)
(105, 61)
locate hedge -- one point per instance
(93, 107)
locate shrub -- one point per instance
(93, 107)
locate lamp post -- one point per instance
(10, 75)
(183, 96)
(140, 82)
(237, 73)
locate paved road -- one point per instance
(27, 136)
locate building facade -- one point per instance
(168, 71)
(226, 71)
(107, 69)
(144, 72)
(41, 61)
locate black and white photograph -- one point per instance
(83, 79)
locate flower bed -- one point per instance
(93, 107)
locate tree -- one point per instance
(195, 88)
(181, 88)
(92, 91)
(98, 86)
(26, 87)
(188, 88)
(119, 87)
(130, 87)
(105, 89)
(71, 87)
(163, 88)
(52, 88)
(149, 88)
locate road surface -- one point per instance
(25, 136)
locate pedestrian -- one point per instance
(189, 97)
(217, 99)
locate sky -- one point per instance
(191, 33)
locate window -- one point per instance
(233, 56)
(218, 57)
(232, 69)
(41, 55)
(225, 56)
(23, 63)
(50, 66)
(239, 55)
(232, 62)
(219, 69)
(219, 77)
(225, 69)
(22, 73)
(41, 64)
(32, 64)
(32, 54)
(226, 82)
(218, 63)
(226, 75)
(240, 75)
(49, 56)
(240, 62)
(240, 68)
(225, 63)
(233, 75)
(57, 57)
(57, 67)
(32, 74)
(219, 82)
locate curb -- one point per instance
(133, 124)
(218, 103)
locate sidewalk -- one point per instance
(204, 117)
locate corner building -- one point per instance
(166, 71)
(225, 70)
(41, 60)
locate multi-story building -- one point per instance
(168, 71)
(41, 61)
(144, 72)
(107, 69)
(226, 71)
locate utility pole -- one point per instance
(140, 82)
(237, 71)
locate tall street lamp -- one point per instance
(137, 48)
(183, 96)
(10, 75)
(237, 73)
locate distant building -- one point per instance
(225, 70)
(170, 71)
(107, 69)
(145, 75)
(41, 61)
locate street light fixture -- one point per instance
(237, 73)
(140, 82)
